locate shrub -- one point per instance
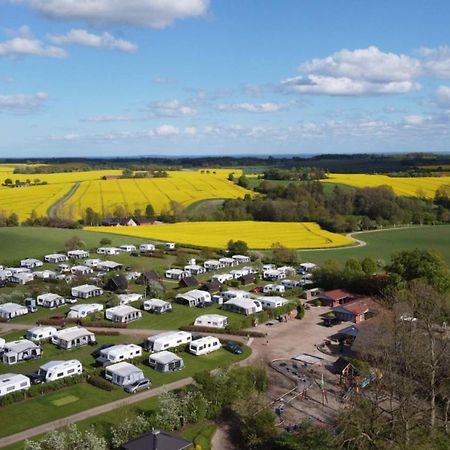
(100, 382)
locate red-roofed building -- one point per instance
(336, 297)
(357, 310)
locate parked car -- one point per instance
(137, 386)
(35, 378)
(71, 300)
(234, 347)
(96, 352)
(58, 318)
(134, 254)
(257, 289)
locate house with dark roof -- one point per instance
(188, 282)
(148, 276)
(212, 286)
(248, 278)
(157, 440)
(117, 283)
(335, 297)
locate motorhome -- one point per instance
(55, 370)
(11, 382)
(204, 345)
(118, 353)
(40, 333)
(168, 339)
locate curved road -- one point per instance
(53, 209)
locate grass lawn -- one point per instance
(33, 412)
(382, 244)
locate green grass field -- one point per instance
(382, 244)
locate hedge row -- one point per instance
(193, 328)
(100, 382)
(41, 389)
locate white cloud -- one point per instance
(107, 118)
(437, 61)
(24, 44)
(145, 13)
(23, 102)
(167, 130)
(356, 72)
(415, 119)
(172, 108)
(442, 96)
(83, 37)
(268, 107)
(165, 80)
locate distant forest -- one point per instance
(409, 163)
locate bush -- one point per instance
(300, 311)
(100, 382)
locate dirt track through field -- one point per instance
(53, 209)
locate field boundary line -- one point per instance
(53, 209)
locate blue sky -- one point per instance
(197, 77)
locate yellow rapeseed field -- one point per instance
(258, 235)
(183, 187)
(412, 187)
(24, 200)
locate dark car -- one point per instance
(96, 352)
(135, 254)
(35, 378)
(234, 347)
(137, 386)
(58, 318)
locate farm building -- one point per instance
(157, 440)
(31, 263)
(128, 248)
(21, 350)
(335, 297)
(278, 288)
(188, 282)
(123, 374)
(86, 291)
(204, 345)
(118, 353)
(107, 266)
(165, 361)
(157, 306)
(11, 382)
(40, 333)
(21, 277)
(168, 339)
(194, 269)
(227, 262)
(123, 314)
(176, 274)
(213, 264)
(272, 302)
(83, 310)
(73, 337)
(56, 370)
(81, 270)
(193, 298)
(125, 299)
(241, 259)
(245, 306)
(211, 321)
(109, 251)
(9, 311)
(117, 283)
(55, 258)
(147, 248)
(356, 311)
(50, 300)
(78, 254)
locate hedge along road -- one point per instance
(52, 211)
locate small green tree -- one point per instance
(149, 212)
(237, 247)
(74, 243)
(12, 220)
(105, 241)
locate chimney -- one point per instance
(155, 433)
